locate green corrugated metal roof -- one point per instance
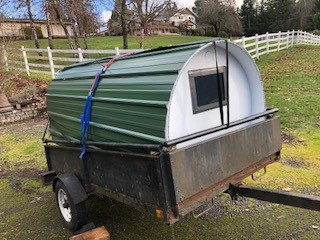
(130, 102)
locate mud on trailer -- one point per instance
(164, 130)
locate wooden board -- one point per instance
(4, 103)
(99, 233)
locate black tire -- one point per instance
(73, 216)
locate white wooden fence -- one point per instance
(259, 45)
(51, 59)
(27, 59)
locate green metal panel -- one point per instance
(130, 102)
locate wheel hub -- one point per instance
(64, 205)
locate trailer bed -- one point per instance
(170, 183)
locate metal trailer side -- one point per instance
(170, 183)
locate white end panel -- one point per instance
(246, 96)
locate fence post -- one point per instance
(51, 62)
(298, 36)
(25, 59)
(288, 35)
(5, 58)
(279, 37)
(267, 42)
(244, 42)
(257, 46)
(80, 55)
(292, 40)
(117, 51)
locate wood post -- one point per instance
(25, 59)
(292, 40)
(279, 39)
(80, 55)
(257, 45)
(5, 58)
(267, 43)
(51, 62)
(117, 51)
(243, 41)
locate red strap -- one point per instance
(106, 66)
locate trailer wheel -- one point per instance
(74, 215)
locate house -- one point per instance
(14, 27)
(163, 24)
(158, 26)
(184, 18)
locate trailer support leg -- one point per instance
(280, 197)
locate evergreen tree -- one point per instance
(114, 24)
(263, 19)
(281, 14)
(317, 5)
(248, 16)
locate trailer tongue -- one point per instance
(276, 196)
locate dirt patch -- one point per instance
(289, 139)
(294, 162)
(21, 173)
(286, 138)
(23, 90)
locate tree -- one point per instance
(70, 7)
(27, 3)
(58, 13)
(146, 11)
(316, 20)
(114, 23)
(317, 5)
(85, 18)
(124, 24)
(219, 14)
(316, 16)
(281, 14)
(248, 16)
(47, 11)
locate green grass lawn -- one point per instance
(94, 43)
(110, 42)
(291, 80)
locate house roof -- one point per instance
(25, 20)
(187, 11)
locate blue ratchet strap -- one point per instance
(86, 116)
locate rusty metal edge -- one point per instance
(200, 198)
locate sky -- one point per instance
(106, 14)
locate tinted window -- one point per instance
(207, 89)
(204, 88)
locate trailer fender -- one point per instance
(73, 185)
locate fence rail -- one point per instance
(48, 61)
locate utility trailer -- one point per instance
(163, 130)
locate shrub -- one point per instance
(198, 32)
(211, 33)
(28, 32)
(316, 32)
(223, 34)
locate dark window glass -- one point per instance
(207, 89)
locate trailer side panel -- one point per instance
(198, 169)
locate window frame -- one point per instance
(204, 72)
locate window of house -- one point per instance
(204, 88)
